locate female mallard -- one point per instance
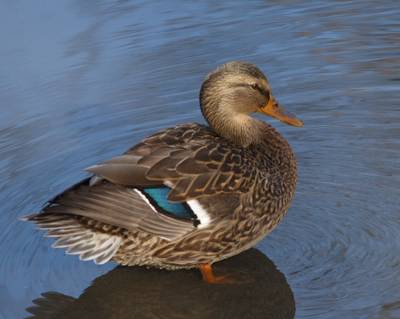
(190, 195)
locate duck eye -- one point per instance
(258, 88)
(255, 86)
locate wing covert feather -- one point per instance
(192, 159)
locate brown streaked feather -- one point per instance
(190, 158)
(90, 243)
(122, 174)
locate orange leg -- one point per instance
(209, 277)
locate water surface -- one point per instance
(150, 293)
(82, 81)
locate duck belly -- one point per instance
(224, 239)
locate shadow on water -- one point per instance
(136, 292)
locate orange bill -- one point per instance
(274, 110)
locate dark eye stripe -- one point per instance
(255, 87)
(261, 90)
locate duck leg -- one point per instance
(209, 277)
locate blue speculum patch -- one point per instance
(158, 196)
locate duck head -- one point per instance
(231, 93)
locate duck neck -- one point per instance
(237, 127)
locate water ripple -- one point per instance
(87, 80)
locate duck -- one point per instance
(187, 196)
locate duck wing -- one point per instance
(92, 221)
(136, 192)
(191, 159)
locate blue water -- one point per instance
(81, 81)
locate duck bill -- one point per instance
(273, 109)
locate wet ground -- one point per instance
(82, 81)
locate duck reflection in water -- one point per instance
(136, 292)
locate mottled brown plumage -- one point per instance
(237, 176)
